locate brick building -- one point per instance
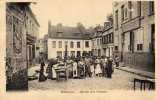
(134, 33)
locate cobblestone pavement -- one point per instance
(121, 80)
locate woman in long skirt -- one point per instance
(98, 70)
(92, 69)
(49, 71)
(81, 69)
(41, 74)
(75, 74)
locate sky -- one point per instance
(69, 12)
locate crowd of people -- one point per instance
(83, 67)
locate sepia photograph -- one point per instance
(80, 45)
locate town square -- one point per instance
(80, 45)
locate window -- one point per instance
(78, 53)
(139, 36)
(130, 9)
(66, 43)
(92, 43)
(125, 13)
(100, 41)
(72, 53)
(109, 36)
(116, 47)
(71, 44)
(33, 51)
(97, 41)
(105, 39)
(152, 38)
(78, 45)
(139, 47)
(122, 13)
(87, 44)
(60, 44)
(139, 8)
(151, 7)
(53, 44)
(59, 53)
(37, 48)
(131, 41)
(116, 19)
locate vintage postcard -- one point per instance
(82, 47)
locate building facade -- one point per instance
(32, 35)
(97, 41)
(108, 40)
(17, 40)
(134, 33)
(39, 49)
(74, 41)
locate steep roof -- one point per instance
(67, 32)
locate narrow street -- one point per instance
(121, 80)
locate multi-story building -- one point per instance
(74, 40)
(17, 40)
(45, 46)
(134, 33)
(39, 49)
(97, 41)
(32, 35)
(107, 40)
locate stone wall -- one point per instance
(16, 63)
(18, 81)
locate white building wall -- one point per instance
(52, 52)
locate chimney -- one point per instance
(59, 28)
(49, 27)
(106, 24)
